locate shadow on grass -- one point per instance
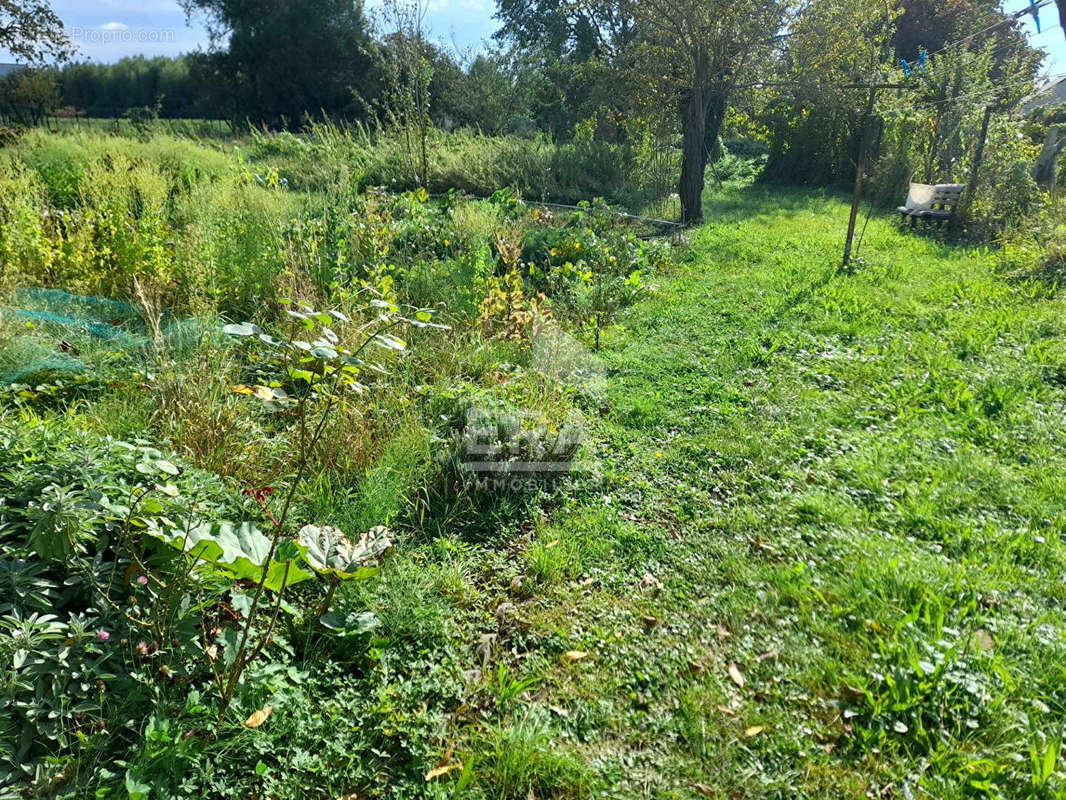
(771, 202)
(765, 201)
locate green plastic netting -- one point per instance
(49, 334)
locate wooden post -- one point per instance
(860, 171)
(971, 186)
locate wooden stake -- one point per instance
(971, 187)
(860, 171)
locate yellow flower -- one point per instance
(554, 252)
(446, 243)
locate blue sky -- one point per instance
(106, 30)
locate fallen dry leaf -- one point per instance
(649, 581)
(983, 639)
(736, 675)
(722, 631)
(442, 770)
(768, 654)
(754, 730)
(570, 656)
(727, 711)
(851, 691)
(706, 791)
(259, 717)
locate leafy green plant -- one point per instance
(506, 686)
(1044, 758)
(589, 268)
(97, 618)
(318, 371)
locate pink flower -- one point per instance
(103, 636)
(143, 580)
(142, 649)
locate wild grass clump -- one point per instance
(1038, 251)
(62, 161)
(329, 157)
(523, 759)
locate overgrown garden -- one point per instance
(375, 451)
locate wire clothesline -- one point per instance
(984, 93)
(1033, 9)
(887, 85)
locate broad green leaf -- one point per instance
(167, 467)
(238, 549)
(354, 624)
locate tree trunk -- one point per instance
(693, 158)
(716, 108)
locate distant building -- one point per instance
(1049, 92)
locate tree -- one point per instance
(693, 53)
(682, 56)
(563, 29)
(1044, 169)
(814, 122)
(132, 82)
(31, 94)
(276, 61)
(408, 74)
(32, 33)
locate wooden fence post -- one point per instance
(860, 172)
(975, 171)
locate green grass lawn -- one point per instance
(821, 551)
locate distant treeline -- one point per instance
(110, 90)
(599, 73)
(493, 92)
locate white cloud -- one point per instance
(144, 6)
(114, 26)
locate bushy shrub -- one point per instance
(230, 251)
(84, 607)
(1007, 195)
(1038, 251)
(590, 266)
